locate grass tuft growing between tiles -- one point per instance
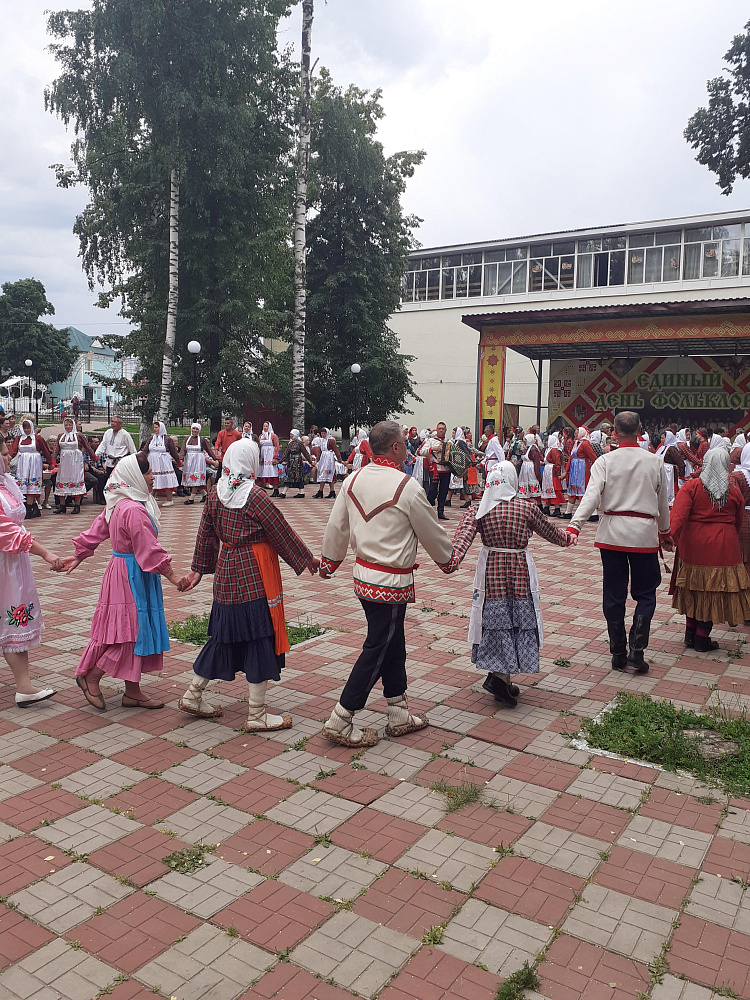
(714, 747)
(515, 986)
(458, 796)
(194, 629)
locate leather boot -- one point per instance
(639, 631)
(500, 691)
(618, 643)
(689, 637)
(704, 643)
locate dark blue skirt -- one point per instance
(241, 641)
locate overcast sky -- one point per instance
(534, 117)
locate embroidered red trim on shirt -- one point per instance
(386, 569)
(384, 595)
(629, 444)
(382, 460)
(329, 565)
(383, 506)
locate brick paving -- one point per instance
(332, 874)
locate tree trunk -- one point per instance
(300, 224)
(172, 298)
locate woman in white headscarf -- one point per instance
(530, 474)
(552, 489)
(240, 538)
(295, 457)
(578, 470)
(193, 455)
(741, 479)
(268, 470)
(329, 455)
(668, 453)
(361, 453)
(70, 478)
(161, 453)
(505, 627)
(32, 452)
(710, 584)
(128, 629)
(21, 623)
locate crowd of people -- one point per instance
(393, 479)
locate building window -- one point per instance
(712, 252)
(601, 262)
(654, 257)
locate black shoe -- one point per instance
(705, 644)
(690, 638)
(594, 518)
(499, 690)
(619, 661)
(188, 502)
(465, 505)
(489, 682)
(331, 496)
(618, 643)
(442, 517)
(275, 493)
(639, 632)
(299, 496)
(566, 517)
(76, 510)
(59, 510)
(35, 512)
(203, 498)
(317, 495)
(447, 503)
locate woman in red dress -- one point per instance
(709, 582)
(578, 470)
(552, 489)
(741, 479)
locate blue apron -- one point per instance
(152, 626)
(577, 475)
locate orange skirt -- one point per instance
(270, 573)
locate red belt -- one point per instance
(630, 513)
(386, 569)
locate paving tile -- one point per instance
(408, 904)
(150, 801)
(626, 769)
(54, 762)
(287, 982)
(623, 924)
(394, 759)
(138, 856)
(333, 872)
(254, 791)
(481, 753)
(265, 847)
(87, 830)
(56, 972)
(728, 858)
(448, 859)
(133, 931)
(531, 890)
(19, 937)
(313, 812)
(652, 879)
(413, 804)
(541, 771)
(665, 840)
(500, 940)
(721, 901)
(155, 754)
(672, 988)
(609, 789)
(453, 773)
(200, 734)
(248, 750)
(575, 969)
(711, 955)
(570, 852)
(504, 734)
(557, 747)
(736, 825)
(14, 782)
(109, 740)
(207, 890)
(274, 916)
(382, 836)
(202, 774)
(360, 786)
(208, 963)
(102, 779)
(356, 953)
(434, 975)
(685, 784)
(26, 859)
(41, 804)
(518, 796)
(67, 725)
(297, 765)
(23, 743)
(684, 810)
(485, 825)
(69, 897)
(205, 822)
(455, 720)
(592, 819)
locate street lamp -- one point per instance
(28, 362)
(355, 370)
(195, 348)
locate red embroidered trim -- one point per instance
(383, 506)
(386, 569)
(381, 460)
(329, 565)
(623, 548)
(384, 595)
(629, 444)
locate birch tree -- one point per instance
(300, 223)
(173, 293)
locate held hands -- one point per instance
(571, 539)
(189, 582)
(667, 544)
(55, 562)
(69, 564)
(313, 566)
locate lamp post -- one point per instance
(355, 370)
(195, 348)
(28, 362)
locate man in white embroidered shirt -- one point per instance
(116, 444)
(383, 513)
(630, 486)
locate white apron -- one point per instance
(267, 470)
(669, 476)
(528, 484)
(357, 460)
(29, 470)
(70, 481)
(194, 472)
(327, 465)
(161, 465)
(477, 601)
(21, 623)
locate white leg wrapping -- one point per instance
(257, 715)
(398, 712)
(342, 721)
(194, 694)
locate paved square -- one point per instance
(87, 830)
(570, 852)
(102, 779)
(407, 903)
(413, 803)
(274, 916)
(205, 822)
(313, 812)
(664, 840)
(69, 897)
(56, 971)
(620, 923)
(449, 859)
(500, 940)
(721, 901)
(332, 872)
(206, 891)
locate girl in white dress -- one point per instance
(193, 456)
(161, 453)
(70, 473)
(329, 455)
(21, 623)
(32, 452)
(528, 484)
(268, 470)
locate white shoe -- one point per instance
(24, 700)
(46, 506)
(169, 503)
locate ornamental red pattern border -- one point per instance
(384, 595)
(329, 565)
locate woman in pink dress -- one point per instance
(128, 630)
(21, 623)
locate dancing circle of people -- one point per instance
(645, 500)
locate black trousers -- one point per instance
(645, 577)
(439, 488)
(383, 656)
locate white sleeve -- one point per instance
(131, 445)
(102, 448)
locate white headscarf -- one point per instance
(682, 436)
(266, 435)
(582, 434)
(669, 441)
(716, 442)
(195, 426)
(739, 441)
(715, 475)
(248, 434)
(161, 437)
(596, 437)
(745, 462)
(32, 435)
(502, 485)
(552, 442)
(460, 434)
(127, 482)
(294, 432)
(239, 468)
(69, 436)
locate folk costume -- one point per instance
(296, 457)
(530, 475)
(240, 538)
(709, 581)
(552, 488)
(578, 469)
(161, 453)
(384, 514)
(113, 447)
(32, 452)
(329, 455)
(193, 456)
(128, 630)
(630, 486)
(505, 627)
(434, 450)
(268, 470)
(671, 469)
(741, 479)
(361, 453)
(70, 479)
(692, 464)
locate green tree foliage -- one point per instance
(721, 132)
(359, 240)
(24, 335)
(199, 84)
